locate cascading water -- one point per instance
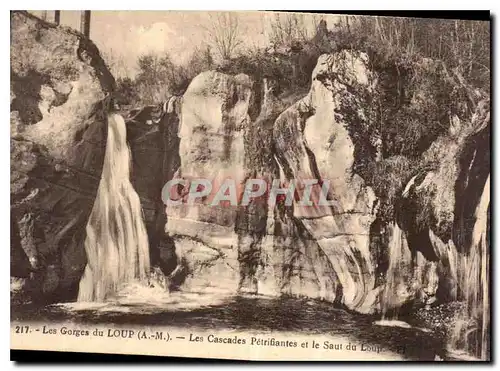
(470, 271)
(394, 281)
(395, 288)
(117, 243)
(472, 331)
(406, 273)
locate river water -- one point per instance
(192, 312)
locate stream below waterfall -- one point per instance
(218, 312)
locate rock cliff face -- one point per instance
(226, 130)
(314, 143)
(152, 135)
(59, 85)
(213, 118)
(328, 252)
(437, 207)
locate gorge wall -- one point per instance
(59, 107)
(232, 127)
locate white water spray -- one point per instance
(395, 286)
(398, 272)
(472, 331)
(117, 243)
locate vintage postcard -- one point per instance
(250, 185)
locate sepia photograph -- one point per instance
(256, 186)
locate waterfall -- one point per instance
(117, 242)
(472, 331)
(395, 288)
(394, 281)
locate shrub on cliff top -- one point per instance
(413, 62)
(425, 70)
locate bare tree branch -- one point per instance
(289, 28)
(224, 32)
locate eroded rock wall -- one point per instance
(313, 143)
(59, 85)
(213, 118)
(341, 252)
(320, 252)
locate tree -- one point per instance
(115, 60)
(208, 57)
(159, 77)
(224, 32)
(154, 80)
(464, 45)
(125, 90)
(290, 28)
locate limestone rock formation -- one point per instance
(313, 142)
(59, 85)
(277, 249)
(328, 252)
(440, 211)
(214, 114)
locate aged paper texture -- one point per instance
(250, 185)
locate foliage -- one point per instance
(153, 82)
(416, 62)
(425, 71)
(125, 91)
(288, 29)
(387, 178)
(225, 33)
(159, 77)
(459, 44)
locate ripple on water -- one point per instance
(137, 298)
(219, 311)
